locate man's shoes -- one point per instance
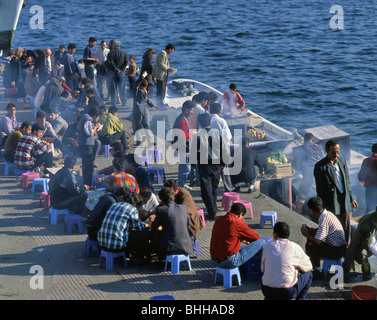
(317, 274)
(210, 218)
(367, 276)
(237, 189)
(251, 189)
(187, 187)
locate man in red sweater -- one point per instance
(227, 234)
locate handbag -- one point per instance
(12, 91)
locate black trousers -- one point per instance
(161, 91)
(88, 155)
(74, 203)
(209, 182)
(316, 252)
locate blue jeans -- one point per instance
(246, 253)
(117, 84)
(72, 84)
(183, 170)
(298, 291)
(371, 198)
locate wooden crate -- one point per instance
(280, 170)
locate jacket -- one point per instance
(62, 186)
(161, 66)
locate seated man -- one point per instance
(227, 234)
(150, 203)
(119, 178)
(64, 192)
(121, 226)
(48, 133)
(247, 175)
(8, 123)
(182, 196)
(112, 130)
(174, 236)
(285, 266)
(361, 245)
(98, 213)
(59, 125)
(13, 139)
(70, 144)
(142, 177)
(327, 241)
(27, 155)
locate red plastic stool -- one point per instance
(247, 204)
(26, 176)
(46, 197)
(227, 198)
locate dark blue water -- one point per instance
(289, 65)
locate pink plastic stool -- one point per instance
(26, 176)
(247, 204)
(227, 198)
(46, 197)
(201, 213)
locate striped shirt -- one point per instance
(120, 219)
(121, 179)
(27, 149)
(330, 230)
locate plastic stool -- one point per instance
(144, 159)
(228, 275)
(227, 197)
(327, 263)
(252, 267)
(267, 239)
(176, 260)
(53, 214)
(110, 257)
(88, 246)
(70, 220)
(46, 198)
(9, 165)
(201, 213)
(160, 173)
(156, 153)
(43, 182)
(247, 204)
(18, 172)
(107, 150)
(26, 176)
(164, 297)
(196, 247)
(268, 216)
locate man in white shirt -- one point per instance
(285, 266)
(101, 55)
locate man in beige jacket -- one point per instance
(160, 72)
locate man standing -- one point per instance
(89, 58)
(232, 100)
(227, 234)
(13, 139)
(368, 178)
(333, 186)
(71, 70)
(285, 266)
(327, 241)
(182, 140)
(160, 72)
(64, 192)
(101, 55)
(45, 66)
(116, 63)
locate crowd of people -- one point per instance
(71, 116)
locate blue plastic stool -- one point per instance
(70, 220)
(252, 267)
(9, 165)
(228, 275)
(160, 172)
(176, 260)
(196, 247)
(327, 263)
(110, 256)
(53, 214)
(43, 182)
(267, 239)
(106, 147)
(144, 159)
(268, 216)
(164, 297)
(88, 246)
(156, 153)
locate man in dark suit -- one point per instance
(174, 236)
(333, 186)
(44, 64)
